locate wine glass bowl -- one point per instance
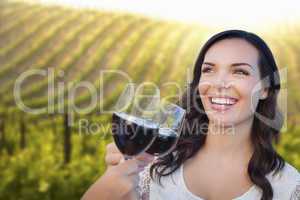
(144, 123)
(171, 118)
(133, 135)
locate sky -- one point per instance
(223, 13)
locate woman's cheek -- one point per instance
(202, 88)
(249, 97)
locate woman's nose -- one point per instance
(222, 84)
(222, 81)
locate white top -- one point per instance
(286, 186)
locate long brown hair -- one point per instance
(264, 158)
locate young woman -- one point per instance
(225, 150)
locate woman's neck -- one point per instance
(230, 141)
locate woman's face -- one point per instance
(230, 81)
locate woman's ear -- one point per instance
(264, 93)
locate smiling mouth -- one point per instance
(222, 103)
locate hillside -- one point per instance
(42, 157)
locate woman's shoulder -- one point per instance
(287, 174)
(286, 182)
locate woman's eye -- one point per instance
(206, 69)
(241, 72)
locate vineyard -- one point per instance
(42, 156)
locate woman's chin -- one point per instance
(221, 121)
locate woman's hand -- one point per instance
(121, 178)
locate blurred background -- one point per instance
(49, 152)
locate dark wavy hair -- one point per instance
(264, 158)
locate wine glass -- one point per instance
(142, 122)
(135, 123)
(171, 118)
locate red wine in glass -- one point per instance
(133, 135)
(143, 123)
(164, 142)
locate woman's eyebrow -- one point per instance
(209, 63)
(239, 64)
(233, 64)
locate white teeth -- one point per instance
(226, 101)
